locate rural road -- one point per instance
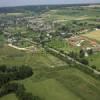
(77, 62)
(63, 55)
(30, 48)
(18, 48)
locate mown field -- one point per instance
(64, 84)
(7, 54)
(9, 97)
(93, 35)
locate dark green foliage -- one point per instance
(93, 66)
(82, 53)
(15, 73)
(90, 52)
(98, 26)
(84, 61)
(73, 55)
(19, 90)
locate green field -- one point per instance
(9, 97)
(71, 13)
(36, 59)
(95, 60)
(50, 89)
(64, 84)
(62, 44)
(51, 83)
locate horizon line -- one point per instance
(50, 4)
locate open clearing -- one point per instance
(94, 35)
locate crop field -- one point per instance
(61, 18)
(67, 14)
(63, 45)
(93, 35)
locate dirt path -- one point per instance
(18, 48)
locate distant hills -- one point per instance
(38, 8)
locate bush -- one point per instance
(93, 66)
(15, 73)
(84, 61)
(19, 90)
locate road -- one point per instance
(77, 62)
(63, 55)
(18, 48)
(30, 48)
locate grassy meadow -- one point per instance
(9, 97)
(49, 81)
(68, 83)
(36, 59)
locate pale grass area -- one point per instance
(93, 35)
(9, 97)
(14, 14)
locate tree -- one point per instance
(98, 26)
(3, 68)
(73, 55)
(90, 51)
(84, 61)
(81, 53)
(93, 66)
